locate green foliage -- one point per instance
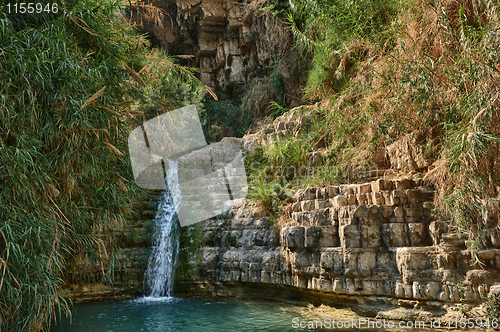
(492, 305)
(231, 239)
(278, 84)
(272, 194)
(277, 7)
(170, 86)
(317, 232)
(326, 28)
(472, 199)
(262, 192)
(274, 172)
(461, 290)
(276, 109)
(222, 119)
(64, 169)
(192, 241)
(472, 137)
(287, 152)
(344, 21)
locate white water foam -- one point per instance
(159, 277)
(151, 299)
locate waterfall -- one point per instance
(159, 277)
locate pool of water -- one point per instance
(193, 315)
(181, 314)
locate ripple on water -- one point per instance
(153, 299)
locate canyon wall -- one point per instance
(242, 52)
(126, 246)
(376, 245)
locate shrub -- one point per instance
(222, 119)
(385, 69)
(70, 84)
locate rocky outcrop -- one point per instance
(240, 50)
(375, 242)
(125, 246)
(415, 151)
(293, 122)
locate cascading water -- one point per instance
(159, 277)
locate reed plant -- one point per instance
(384, 69)
(72, 87)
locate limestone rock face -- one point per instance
(414, 151)
(233, 43)
(83, 278)
(337, 244)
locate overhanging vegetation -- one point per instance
(73, 85)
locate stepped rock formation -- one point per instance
(238, 48)
(375, 243)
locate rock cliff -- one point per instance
(241, 51)
(374, 243)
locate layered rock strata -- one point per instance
(240, 50)
(373, 242)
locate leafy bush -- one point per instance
(492, 305)
(383, 69)
(221, 118)
(70, 84)
(330, 28)
(270, 194)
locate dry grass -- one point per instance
(436, 65)
(425, 42)
(443, 55)
(125, 103)
(135, 75)
(149, 12)
(93, 98)
(114, 149)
